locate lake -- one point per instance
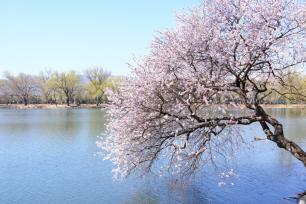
(49, 156)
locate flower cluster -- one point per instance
(180, 106)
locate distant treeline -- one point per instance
(290, 89)
(52, 87)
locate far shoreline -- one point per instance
(284, 105)
(52, 106)
(102, 106)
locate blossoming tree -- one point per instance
(185, 101)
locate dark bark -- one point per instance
(67, 97)
(278, 137)
(98, 100)
(68, 101)
(25, 101)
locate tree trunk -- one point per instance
(25, 101)
(97, 102)
(278, 136)
(67, 97)
(68, 101)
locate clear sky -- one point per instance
(77, 34)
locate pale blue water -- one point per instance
(48, 156)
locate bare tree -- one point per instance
(181, 102)
(23, 86)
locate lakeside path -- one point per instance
(93, 106)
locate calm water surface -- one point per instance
(48, 156)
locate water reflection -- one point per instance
(47, 156)
(96, 122)
(141, 197)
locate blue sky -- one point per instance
(77, 34)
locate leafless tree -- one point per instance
(23, 86)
